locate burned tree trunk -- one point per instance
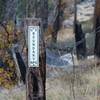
(97, 28)
(79, 37)
(56, 24)
(80, 41)
(36, 76)
(22, 67)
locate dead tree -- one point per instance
(79, 37)
(80, 41)
(36, 76)
(56, 23)
(97, 28)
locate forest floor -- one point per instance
(83, 85)
(16, 93)
(86, 86)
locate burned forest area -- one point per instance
(49, 49)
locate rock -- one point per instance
(85, 10)
(59, 61)
(68, 23)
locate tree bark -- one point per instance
(36, 77)
(79, 37)
(57, 22)
(97, 29)
(80, 41)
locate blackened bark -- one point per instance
(80, 41)
(34, 84)
(22, 67)
(56, 28)
(97, 28)
(36, 77)
(57, 23)
(42, 65)
(97, 38)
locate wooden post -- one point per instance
(36, 73)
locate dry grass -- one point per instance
(14, 94)
(86, 86)
(65, 34)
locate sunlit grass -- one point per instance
(86, 86)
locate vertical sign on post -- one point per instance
(33, 46)
(36, 70)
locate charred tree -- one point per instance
(36, 76)
(22, 67)
(97, 28)
(80, 41)
(56, 25)
(79, 37)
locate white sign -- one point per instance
(33, 46)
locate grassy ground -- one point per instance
(86, 86)
(83, 85)
(17, 93)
